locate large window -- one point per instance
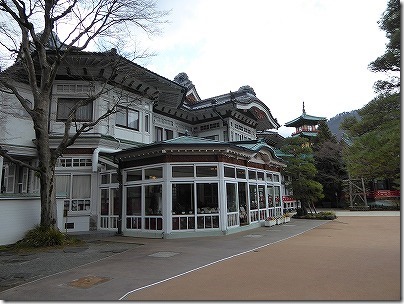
(231, 195)
(109, 201)
(277, 196)
(65, 105)
(128, 118)
(76, 189)
(261, 197)
(207, 198)
(183, 199)
(134, 201)
(153, 200)
(270, 192)
(242, 199)
(253, 197)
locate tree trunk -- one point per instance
(47, 162)
(309, 207)
(314, 208)
(48, 197)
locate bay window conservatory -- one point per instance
(166, 194)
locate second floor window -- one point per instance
(158, 134)
(147, 123)
(169, 134)
(65, 105)
(126, 117)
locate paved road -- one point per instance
(351, 258)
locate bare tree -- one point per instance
(30, 32)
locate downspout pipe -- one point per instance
(96, 156)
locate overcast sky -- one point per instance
(287, 51)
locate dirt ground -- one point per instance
(350, 258)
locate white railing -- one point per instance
(133, 222)
(275, 211)
(263, 214)
(109, 221)
(271, 212)
(207, 221)
(183, 222)
(253, 216)
(278, 211)
(233, 219)
(153, 223)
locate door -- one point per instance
(109, 208)
(233, 217)
(243, 206)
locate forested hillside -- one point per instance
(334, 122)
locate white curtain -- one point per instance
(63, 185)
(81, 186)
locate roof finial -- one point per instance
(304, 111)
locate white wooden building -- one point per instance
(164, 141)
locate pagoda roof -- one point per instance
(305, 134)
(304, 119)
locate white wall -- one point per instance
(18, 215)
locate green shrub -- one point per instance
(42, 237)
(326, 215)
(323, 215)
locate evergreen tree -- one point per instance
(373, 149)
(329, 163)
(390, 60)
(302, 171)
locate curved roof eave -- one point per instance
(251, 148)
(304, 118)
(256, 146)
(272, 122)
(241, 101)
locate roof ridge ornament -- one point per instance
(247, 89)
(304, 111)
(183, 79)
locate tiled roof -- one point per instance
(251, 145)
(308, 134)
(304, 119)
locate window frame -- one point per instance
(59, 116)
(127, 111)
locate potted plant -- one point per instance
(270, 221)
(279, 220)
(286, 217)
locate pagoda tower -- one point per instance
(306, 125)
